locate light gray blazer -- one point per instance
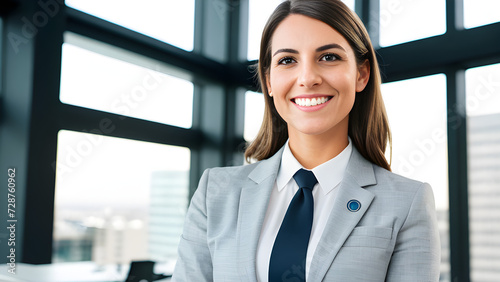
(393, 236)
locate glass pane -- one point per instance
(133, 86)
(350, 3)
(254, 113)
(483, 95)
(481, 12)
(407, 20)
(259, 12)
(417, 115)
(118, 200)
(168, 21)
(483, 149)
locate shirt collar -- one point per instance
(329, 173)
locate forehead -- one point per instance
(299, 31)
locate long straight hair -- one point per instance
(368, 124)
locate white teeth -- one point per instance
(306, 102)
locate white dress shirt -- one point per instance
(329, 176)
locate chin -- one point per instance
(315, 128)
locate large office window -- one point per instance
(419, 104)
(483, 139)
(123, 83)
(118, 200)
(416, 109)
(130, 125)
(403, 21)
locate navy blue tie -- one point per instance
(288, 257)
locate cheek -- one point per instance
(343, 81)
(280, 84)
(283, 78)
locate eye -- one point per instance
(330, 57)
(286, 61)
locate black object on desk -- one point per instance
(143, 271)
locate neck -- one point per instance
(313, 150)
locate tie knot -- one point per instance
(305, 179)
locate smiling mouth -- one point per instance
(309, 102)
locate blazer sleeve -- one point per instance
(194, 262)
(417, 252)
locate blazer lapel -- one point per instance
(359, 174)
(252, 210)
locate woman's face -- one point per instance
(313, 77)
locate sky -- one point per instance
(92, 169)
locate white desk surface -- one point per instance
(73, 272)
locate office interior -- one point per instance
(110, 111)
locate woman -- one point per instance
(354, 220)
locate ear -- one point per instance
(268, 84)
(363, 76)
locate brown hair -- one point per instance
(368, 124)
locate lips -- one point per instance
(311, 103)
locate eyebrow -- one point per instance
(319, 49)
(330, 46)
(286, 50)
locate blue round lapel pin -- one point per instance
(353, 205)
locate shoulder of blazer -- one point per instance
(395, 182)
(257, 171)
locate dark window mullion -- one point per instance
(458, 183)
(457, 155)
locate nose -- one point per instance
(309, 76)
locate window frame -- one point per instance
(215, 138)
